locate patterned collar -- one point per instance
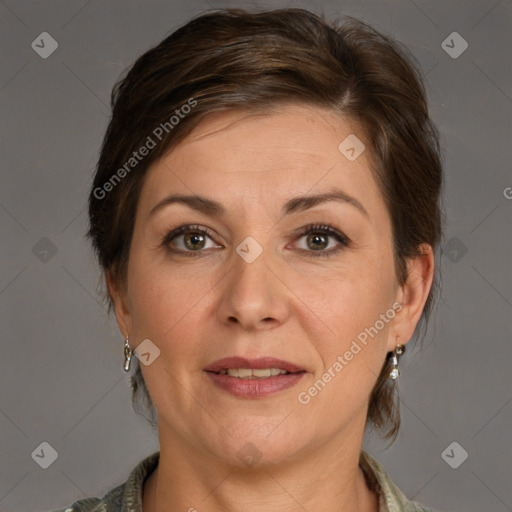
(127, 497)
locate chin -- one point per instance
(251, 444)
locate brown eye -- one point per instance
(322, 240)
(316, 241)
(188, 239)
(194, 241)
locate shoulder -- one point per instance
(111, 502)
(391, 498)
(124, 497)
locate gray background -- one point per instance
(62, 380)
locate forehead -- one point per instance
(288, 151)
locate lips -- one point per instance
(245, 378)
(252, 364)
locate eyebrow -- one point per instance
(296, 204)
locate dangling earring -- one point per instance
(395, 373)
(128, 352)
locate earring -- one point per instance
(128, 352)
(395, 373)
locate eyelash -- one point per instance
(313, 228)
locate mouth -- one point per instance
(248, 373)
(254, 378)
(261, 368)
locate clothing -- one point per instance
(127, 497)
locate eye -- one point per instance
(318, 240)
(188, 239)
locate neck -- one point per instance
(191, 479)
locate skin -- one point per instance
(306, 310)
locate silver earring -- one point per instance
(128, 352)
(395, 373)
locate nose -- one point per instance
(254, 294)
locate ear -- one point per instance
(121, 306)
(412, 295)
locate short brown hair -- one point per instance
(236, 60)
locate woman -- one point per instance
(266, 212)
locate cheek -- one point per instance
(358, 308)
(161, 297)
(165, 309)
(352, 357)
(354, 298)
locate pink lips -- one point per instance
(254, 388)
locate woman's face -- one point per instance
(323, 306)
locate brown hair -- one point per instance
(235, 60)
